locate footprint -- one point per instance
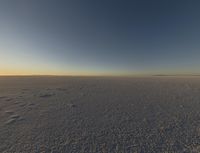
(20, 119)
(9, 112)
(31, 104)
(9, 99)
(10, 121)
(14, 116)
(46, 95)
(13, 119)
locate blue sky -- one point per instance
(107, 37)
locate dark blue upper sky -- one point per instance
(100, 36)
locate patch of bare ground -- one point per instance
(100, 115)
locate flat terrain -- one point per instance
(99, 115)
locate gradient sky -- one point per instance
(99, 37)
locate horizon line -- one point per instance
(133, 75)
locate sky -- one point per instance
(99, 37)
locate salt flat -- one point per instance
(99, 115)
